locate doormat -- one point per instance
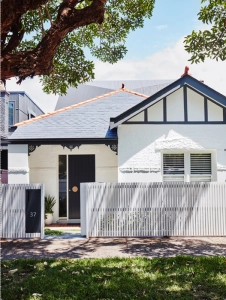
(64, 225)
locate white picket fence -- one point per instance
(153, 209)
(13, 212)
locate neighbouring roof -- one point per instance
(24, 94)
(96, 88)
(86, 120)
(185, 80)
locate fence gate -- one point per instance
(153, 209)
(22, 213)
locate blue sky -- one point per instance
(171, 19)
(154, 52)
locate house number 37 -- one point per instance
(32, 214)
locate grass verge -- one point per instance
(181, 277)
(52, 232)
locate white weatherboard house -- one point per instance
(176, 134)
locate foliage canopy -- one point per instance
(209, 43)
(48, 37)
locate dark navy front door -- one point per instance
(81, 169)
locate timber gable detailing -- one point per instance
(185, 104)
(206, 106)
(204, 113)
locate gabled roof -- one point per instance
(64, 109)
(85, 120)
(184, 81)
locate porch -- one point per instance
(61, 168)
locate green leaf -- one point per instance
(212, 42)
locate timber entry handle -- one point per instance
(75, 189)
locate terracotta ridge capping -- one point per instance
(68, 107)
(135, 93)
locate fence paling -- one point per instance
(13, 210)
(156, 209)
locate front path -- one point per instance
(110, 247)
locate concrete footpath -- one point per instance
(79, 247)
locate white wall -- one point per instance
(215, 112)
(175, 106)
(140, 148)
(18, 167)
(137, 118)
(195, 106)
(44, 166)
(155, 112)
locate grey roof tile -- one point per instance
(90, 120)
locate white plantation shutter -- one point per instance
(200, 167)
(173, 167)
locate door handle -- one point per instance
(74, 189)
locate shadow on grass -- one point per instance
(132, 278)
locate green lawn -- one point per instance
(182, 277)
(52, 231)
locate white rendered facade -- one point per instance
(143, 141)
(182, 122)
(141, 148)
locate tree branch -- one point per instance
(11, 10)
(14, 41)
(40, 16)
(48, 14)
(39, 61)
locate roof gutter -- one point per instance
(60, 141)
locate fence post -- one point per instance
(83, 199)
(42, 210)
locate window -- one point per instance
(62, 186)
(187, 167)
(200, 167)
(11, 113)
(173, 167)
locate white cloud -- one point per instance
(33, 88)
(168, 63)
(161, 27)
(201, 26)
